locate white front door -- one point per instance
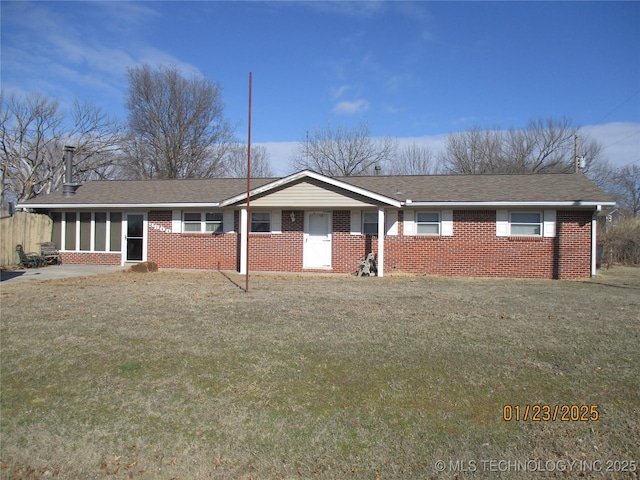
(317, 240)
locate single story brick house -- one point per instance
(535, 226)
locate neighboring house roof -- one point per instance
(435, 190)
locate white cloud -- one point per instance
(621, 141)
(337, 92)
(351, 108)
(280, 155)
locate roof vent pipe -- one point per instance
(68, 188)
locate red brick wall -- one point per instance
(91, 258)
(189, 250)
(279, 252)
(574, 247)
(348, 249)
(473, 250)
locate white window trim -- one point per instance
(391, 222)
(445, 223)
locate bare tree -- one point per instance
(236, 162)
(177, 127)
(343, 151)
(412, 159)
(33, 132)
(626, 189)
(475, 151)
(544, 146)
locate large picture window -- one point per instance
(525, 224)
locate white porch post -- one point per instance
(381, 241)
(594, 244)
(243, 240)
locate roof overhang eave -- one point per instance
(94, 206)
(503, 204)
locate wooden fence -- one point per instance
(27, 229)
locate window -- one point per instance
(70, 231)
(192, 222)
(526, 223)
(87, 231)
(197, 222)
(100, 231)
(213, 222)
(370, 223)
(115, 234)
(428, 223)
(260, 222)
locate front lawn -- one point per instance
(182, 375)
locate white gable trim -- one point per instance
(316, 176)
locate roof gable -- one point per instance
(328, 192)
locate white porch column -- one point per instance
(243, 240)
(594, 244)
(381, 230)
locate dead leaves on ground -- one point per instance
(114, 466)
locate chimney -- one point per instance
(68, 187)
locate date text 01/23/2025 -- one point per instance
(550, 413)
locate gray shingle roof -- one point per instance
(485, 188)
(430, 188)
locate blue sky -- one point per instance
(412, 70)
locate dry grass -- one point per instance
(181, 375)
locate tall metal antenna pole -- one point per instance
(248, 226)
(576, 160)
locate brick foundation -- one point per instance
(91, 258)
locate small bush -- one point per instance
(145, 267)
(621, 242)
